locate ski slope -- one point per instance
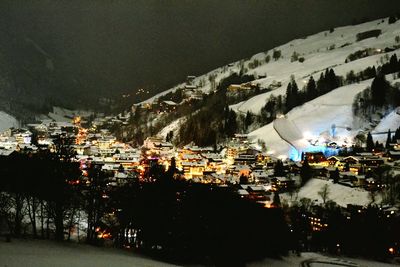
(327, 119)
(314, 121)
(322, 50)
(390, 122)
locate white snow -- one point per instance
(173, 126)
(66, 115)
(7, 121)
(338, 193)
(314, 120)
(43, 253)
(390, 122)
(292, 261)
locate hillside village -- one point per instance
(281, 138)
(253, 173)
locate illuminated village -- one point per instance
(250, 173)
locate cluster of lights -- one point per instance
(316, 224)
(103, 234)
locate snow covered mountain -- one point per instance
(328, 117)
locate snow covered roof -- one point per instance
(171, 103)
(242, 192)
(6, 152)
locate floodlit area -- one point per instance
(323, 121)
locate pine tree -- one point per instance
(248, 120)
(289, 97)
(333, 80)
(295, 92)
(396, 135)
(379, 90)
(388, 139)
(276, 54)
(311, 89)
(276, 202)
(393, 63)
(279, 169)
(305, 172)
(335, 175)
(370, 142)
(321, 84)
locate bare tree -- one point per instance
(324, 193)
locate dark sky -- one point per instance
(118, 46)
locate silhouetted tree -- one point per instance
(388, 139)
(279, 169)
(276, 54)
(379, 90)
(370, 142)
(311, 89)
(305, 172)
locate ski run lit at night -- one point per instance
(200, 133)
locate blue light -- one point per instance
(295, 154)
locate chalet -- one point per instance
(190, 149)
(394, 155)
(336, 161)
(241, 87)
(254, 192)
(315, 157)
(319, 171)
(243, 193)
(214, 162)
(282, 183)
(152, 142)
(7, 152)
(396, 145)
(245, 159)
(234, 87)
(371, 184)
(191, 93)
(352, 179)
(167, 106)
(260, 176)
(193, 169)
(241, 170)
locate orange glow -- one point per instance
(267, 205)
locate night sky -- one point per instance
(120, 46)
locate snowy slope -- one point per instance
(390, 122)
(7, 121)
(302, 71)
(173, 126)
(318, 57)
(43, 253)
(322, 120)
(340, 194)
(293, 261)
(314, 120)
